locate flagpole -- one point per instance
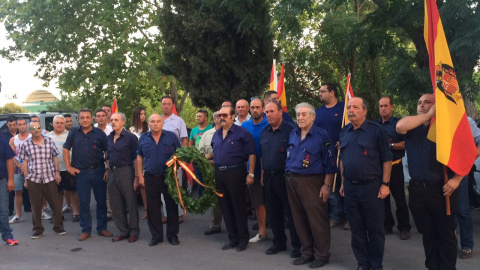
(447, 197)
(275, 82)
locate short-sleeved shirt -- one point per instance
(422, 156)
(256, 131)
(176, 125)
(363, 151)
(237, 146)
(390, 127)
(41, 168)
(6, 153)
(330, 119)
(273, 146)
(88, 150)
(312, 155)
(108, 128)
(205, 145)
(156, 155)
(238, 123)
(123, 151)
(59, 141)
(197, 133)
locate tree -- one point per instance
(218, 50)
(12, 108)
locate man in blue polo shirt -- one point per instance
(89, 147)
(6, 185)
(255, 125)
(366, 163)
(233, 146)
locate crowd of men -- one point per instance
(308, 176)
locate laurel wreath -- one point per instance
(193, 205)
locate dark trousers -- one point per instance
(232, 184)
(310, 215)
(365, 213)
(51, 194)
(154, 187)
(397, 189)
(86, 181)
(427, 205)
(278, 207)
(123, 198)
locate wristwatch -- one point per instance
(252, 175)
(386, 183)
(391, 145)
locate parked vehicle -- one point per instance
(46, 118)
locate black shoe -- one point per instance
(302, 260)
(229, 245)
(241, 247)
(275, 249)
(210, 231)
(388, 230)
(154, 242)
(318, 263)
(255, 227)
(173, 240)
(76, 218)
(295, 253)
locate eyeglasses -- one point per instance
(35, 128)
(255, 98)
(34, 121)
(223, 115)
(323, 91)
(276, 101)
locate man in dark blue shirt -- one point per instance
(397, 186)
(329, 117)
(122, 152)
(89, 147)
(6, 184)
(366, 163)
(273, 148)
(155, 148)
(233, 146)
(427, 190)
(310, 167)
(7, 134)
(273, 95)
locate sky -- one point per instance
(18, 77)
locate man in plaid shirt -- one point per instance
(42, 176)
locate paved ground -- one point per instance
(195, 251)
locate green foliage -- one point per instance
(11, 108)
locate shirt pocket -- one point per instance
(368, 150)
(234, 146)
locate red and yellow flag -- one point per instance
(273, 76)
(348, 96)
(282, 96)
(450, 129)
(114, 105)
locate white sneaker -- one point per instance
(15, 219)
(47, 209)
(257, 238)
(46, 216)
(66, 209)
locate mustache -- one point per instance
(351, 114)
(222, 120)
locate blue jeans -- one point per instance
(86, 180)
(464, 216)
(5, 229)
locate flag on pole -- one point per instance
(348, 95)
(450, 129)
(174, 110)
(273, 76)
(114, 105)
(282, 96)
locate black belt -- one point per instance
(274, 173)
(290, 174)
(364, 181)
(426, 184)
(112, 168)
(91, 167)
(155, 175)
(230, 167)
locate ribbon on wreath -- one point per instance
(174, 161)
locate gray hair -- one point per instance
(58, 117)
(122, 115)
(215, 114)
(304, 104)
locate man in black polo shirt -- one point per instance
(427, 189)
(273, 147)
(397, 186)
(365, 163)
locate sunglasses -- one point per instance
(255, 98)
(223, 115)
(35, 128)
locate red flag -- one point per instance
(174, 110)
(281, 89)
(450, 129)
(114, 105)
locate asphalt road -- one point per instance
(196, 251)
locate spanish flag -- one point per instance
(273, 76)
(114, 105)
(348, 96)
(281, 89)
(450, 129)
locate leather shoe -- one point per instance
(210, 231)
(84, 236)
(154, 242)
(302, 260)
(318, 263)
(132, 238)
(295, 253)
(241, 247)
(119, 238)
(229, 245)
(105, 233)
(173, 240)
(275, 249)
